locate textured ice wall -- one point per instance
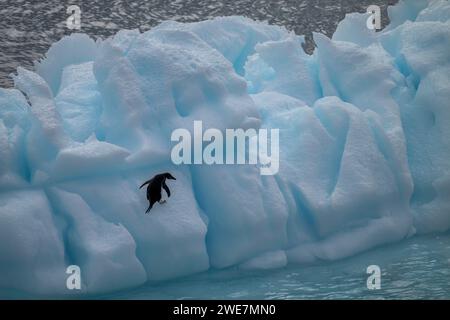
(364, 149)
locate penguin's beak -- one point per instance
(171, 177)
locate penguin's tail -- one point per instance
(150, 206)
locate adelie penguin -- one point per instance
(154, 188)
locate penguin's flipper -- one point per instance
(146, 182)
(165, 187)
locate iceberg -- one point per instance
(363, 159)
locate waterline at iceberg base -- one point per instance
(364, 149)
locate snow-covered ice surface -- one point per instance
(364, 149)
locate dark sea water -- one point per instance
(29, 27)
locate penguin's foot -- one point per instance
(162, 201)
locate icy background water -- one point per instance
(28, 28)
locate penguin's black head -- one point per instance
(169, 176)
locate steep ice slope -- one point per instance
(364, 149)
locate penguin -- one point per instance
(154, 188)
